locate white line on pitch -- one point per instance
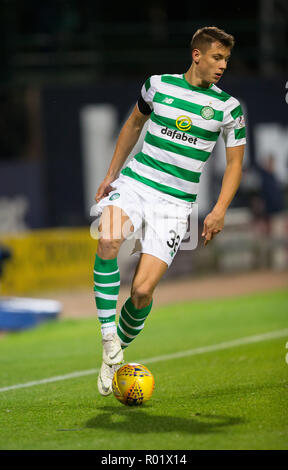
(165, 357)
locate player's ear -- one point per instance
(196, 55)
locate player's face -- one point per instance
(213, 63)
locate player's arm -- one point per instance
(127, 139)
(214, 222)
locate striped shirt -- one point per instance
(184, 125)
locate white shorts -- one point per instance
(159, 223)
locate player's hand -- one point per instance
(104, 189)
(213, 224)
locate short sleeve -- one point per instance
(148, 91)
(233, 128)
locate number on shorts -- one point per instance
(174, 240)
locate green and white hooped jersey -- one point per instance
(184, 125)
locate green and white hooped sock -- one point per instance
(131, 322)
(106, 288)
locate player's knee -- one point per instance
(108, 248)
(141, 295)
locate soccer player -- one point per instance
(156, 190)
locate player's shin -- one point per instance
(106, 289)
(131, 321)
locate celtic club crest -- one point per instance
(114, 196)
(207, 112)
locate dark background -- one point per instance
(84, 40)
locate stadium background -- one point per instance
(71, 72)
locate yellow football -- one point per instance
(133, 384)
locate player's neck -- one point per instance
(192, 77)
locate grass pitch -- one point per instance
(233, 398)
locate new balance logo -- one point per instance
(168, 100)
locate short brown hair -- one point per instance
(204, 37)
